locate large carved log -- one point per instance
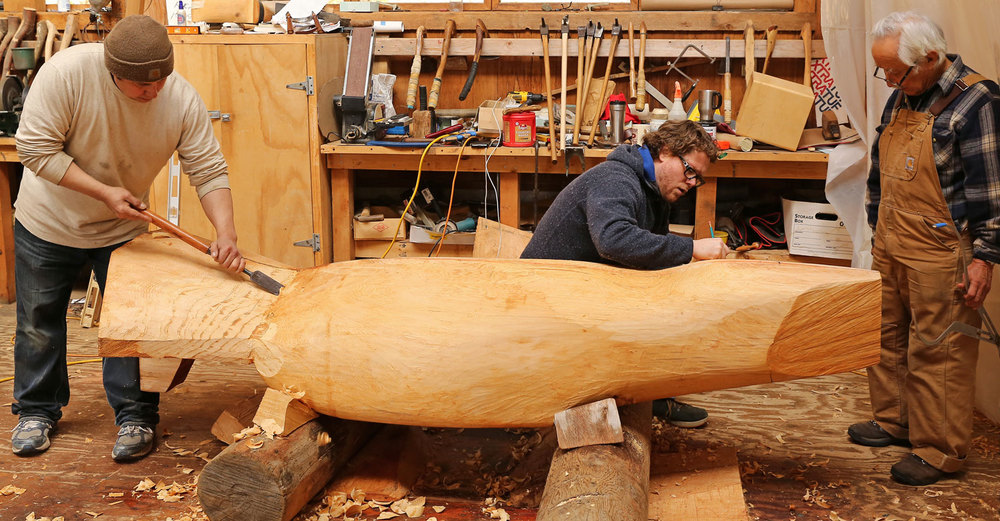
(492, 343)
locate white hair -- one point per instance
(918, 35)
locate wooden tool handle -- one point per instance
(548, 96)
(432, 99)
(28, 19)
(68, 32)
(411, 89)
(727, 98)
(631, 62)
(749, 66)
(604, 89)
(640, 86)
(807, 44)
(172, 229)
(564, 62)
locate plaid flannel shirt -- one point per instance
(967, 154)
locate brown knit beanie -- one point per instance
(138, 49)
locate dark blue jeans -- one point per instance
(44, 275)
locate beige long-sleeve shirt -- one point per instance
(74, 112)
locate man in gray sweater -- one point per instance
(617, 213)
(98, 125)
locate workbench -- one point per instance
(345, 161)
(8, 160)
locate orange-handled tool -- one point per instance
(265, 282)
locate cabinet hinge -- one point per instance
(313, 243)
(303, 85)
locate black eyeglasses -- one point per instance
(691, 173)
(885, 76)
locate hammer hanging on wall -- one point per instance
(411, 89)
(481, 32)
(432, 100)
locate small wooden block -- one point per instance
(236, 418)
(288, 412)
(594, 423)
(159, 375)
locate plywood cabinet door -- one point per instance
(263, 128)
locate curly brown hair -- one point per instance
(681, 138)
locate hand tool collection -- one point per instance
(583, 107)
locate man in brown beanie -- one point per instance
(98, 124)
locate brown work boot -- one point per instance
(913, 470)
(871, 434)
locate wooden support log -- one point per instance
(273, 481)
(601, 482)
(492, 342)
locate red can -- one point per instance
(519, 129)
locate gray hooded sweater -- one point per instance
(612, 214)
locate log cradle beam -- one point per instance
(491, 343)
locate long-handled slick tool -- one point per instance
(432, 99)
(544, 31)
(631, 61)
(640, 87)
(411, 90)
(727, 91)
(616, 33)
(564, 29)
(807, 44)
(481, 32)
(581, 82)
(265, 282)
(589, 75)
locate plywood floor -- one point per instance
(795, 461)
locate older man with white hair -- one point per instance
(934, 204)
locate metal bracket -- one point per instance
(303, 85)
(218, 114)
(313, 243)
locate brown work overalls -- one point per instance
(921, 392)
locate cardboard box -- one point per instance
(379, 230)
(490, 117)
(815, 229)
(774, 111)
(419, 234)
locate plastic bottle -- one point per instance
(181, 18)
(677, 112)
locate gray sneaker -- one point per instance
(135, 440)
(31, 435)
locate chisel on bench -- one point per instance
(265, 282)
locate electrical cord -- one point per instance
(451, 200)
(416, 186)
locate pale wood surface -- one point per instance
(592, 423)
(498, 241)
(697, 484)
(238, 11)
(284, 410)
(489, 343)
(235, 418)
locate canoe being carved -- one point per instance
(492, 343)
